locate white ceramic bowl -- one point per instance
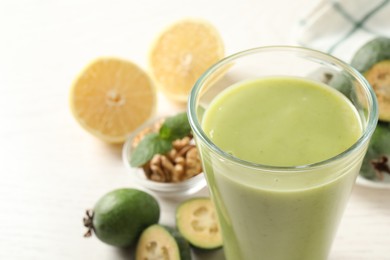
(180, 189)
(385, 184)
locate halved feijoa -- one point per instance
(197, 221)
(373, 61)
(162, 242)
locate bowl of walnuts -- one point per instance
(161, 156)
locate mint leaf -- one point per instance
(150, 145)
(175, 127)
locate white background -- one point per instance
(52, 170)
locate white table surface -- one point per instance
(52, 170)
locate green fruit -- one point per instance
(161, 242)
(120, 216)
(373, 61)
(375, 164)
(336, 79)
(343, 84)
(371, 53)
(197, 221)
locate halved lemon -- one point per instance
(181, 53)
(111, 98)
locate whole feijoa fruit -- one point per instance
(376, 161)
(120, 216)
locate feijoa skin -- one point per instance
(120, 216)
(376, 161)
(372, 52)
(343, 84)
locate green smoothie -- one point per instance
(280, 121)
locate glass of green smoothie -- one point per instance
(282, 132)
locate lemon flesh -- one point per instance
(111, 98)
(180, 55)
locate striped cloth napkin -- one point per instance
(341, 27)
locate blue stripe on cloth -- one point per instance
(337, 6)
(357, 24)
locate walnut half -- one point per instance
(180, 163)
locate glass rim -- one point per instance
(201, 135)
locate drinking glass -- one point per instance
(280, 213)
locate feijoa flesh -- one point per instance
(373, 61)
(162, 242)
(120, 216)
(197, 221)
(379, 78)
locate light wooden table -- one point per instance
(51, 170)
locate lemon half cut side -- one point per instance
(180, 55)
(112, 97)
